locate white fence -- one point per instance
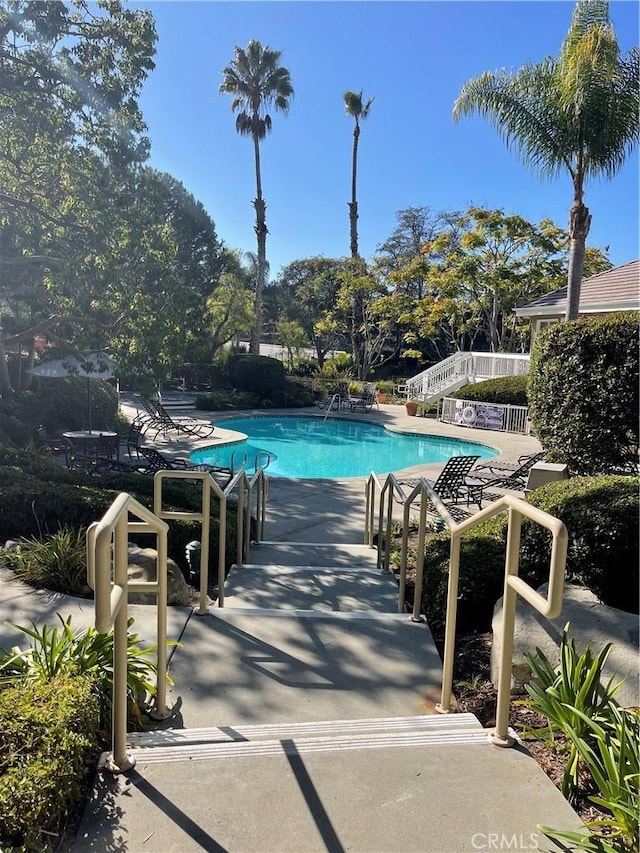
(492, 416)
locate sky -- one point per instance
(413, 58)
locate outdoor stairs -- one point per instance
(304, 721)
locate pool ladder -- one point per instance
(336, 398)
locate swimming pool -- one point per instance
(312, 448)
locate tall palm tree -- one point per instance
(577, 113)
(359, 112)
(257, 82)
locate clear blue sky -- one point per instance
(413, 58)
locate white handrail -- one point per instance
(107, 549)
(461, 367)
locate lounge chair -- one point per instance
(452, 484)
(364, 401)
(510, 478)
(155, 418)
(499, 466)
(157, 462)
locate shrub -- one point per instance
(60, 404)
(226, 400)
(58, 651)
(583, 393)
(504, 390)
(31, 507)
(601, 516)
(259, 374)
(481, 580)
(57, 562)
(47, 742)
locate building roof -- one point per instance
(617, 289)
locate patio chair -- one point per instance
(510, 478)
(499, 466)
(157, 462)
(452, 484)
(131, 441)
(364, 401)
(155, 418)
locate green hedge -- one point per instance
(602, 519)
(32, 506)
(259, 374)
(505, 390)
(47, 742)
(584, 395)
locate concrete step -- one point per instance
(313, 554)
(269, 666)
(311, 588)
(436, 725)
(204, 751)
(404, 793)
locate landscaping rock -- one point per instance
(591, 623)
(142, 567)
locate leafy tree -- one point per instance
(500, 260)
(358, 111)
(578, 112)
(403, 257)
(69, 123)
(306, 290)
(230, 306)
(256, 82)
(292, 337)
(366, 314)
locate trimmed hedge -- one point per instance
(584, 394)
(40, 497)
(259, 374)
(602, 519)
(47, 743)
(504, 390)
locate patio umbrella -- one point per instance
(93, 365)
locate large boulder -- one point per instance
(592, 623)
(143, 567)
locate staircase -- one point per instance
(303, 721)
(460, 369)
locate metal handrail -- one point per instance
(107, 550)
(330, 405)
(246, 487)
(516, 508)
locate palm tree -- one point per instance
(354, 108)
(257, 82)
(576, 113)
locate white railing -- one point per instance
(107, 574)
(461, 369)
(428, 501)
(501, 417)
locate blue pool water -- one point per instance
(310, 448)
